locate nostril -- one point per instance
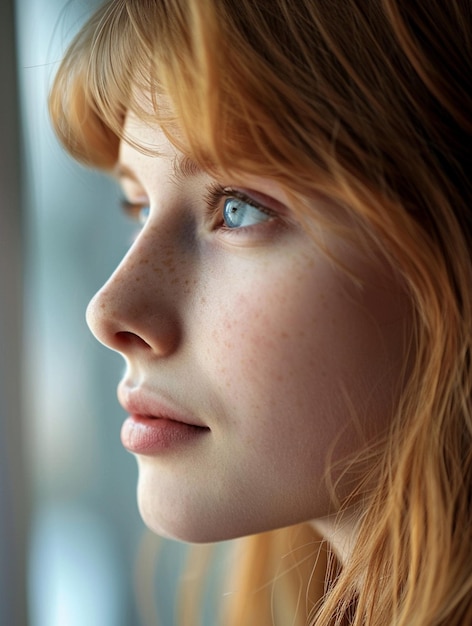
(125, 339)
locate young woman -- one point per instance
(296, 310)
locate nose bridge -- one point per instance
(139, 304)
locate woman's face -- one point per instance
(253, 361)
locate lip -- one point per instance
(155, 425)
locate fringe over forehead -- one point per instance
(225, 79)
(269, 86)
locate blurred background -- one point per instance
(70, 534)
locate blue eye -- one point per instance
(136, 211)
(237, 213)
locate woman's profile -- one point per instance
(295, 312)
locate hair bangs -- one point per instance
(229, 90)
(95, 84)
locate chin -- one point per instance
(187, 527)
(180, 521)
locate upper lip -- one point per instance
(142, 401)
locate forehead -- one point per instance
(147, 146)
(143, 135)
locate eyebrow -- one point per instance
(183, 167)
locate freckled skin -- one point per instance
(263, 338)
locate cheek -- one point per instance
(270, 333)
(304, 351)
(258, 339)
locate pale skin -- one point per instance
(259, 336)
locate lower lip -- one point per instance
(152, 435)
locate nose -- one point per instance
(136, 311)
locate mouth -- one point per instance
(146, 435)
(154, 426)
